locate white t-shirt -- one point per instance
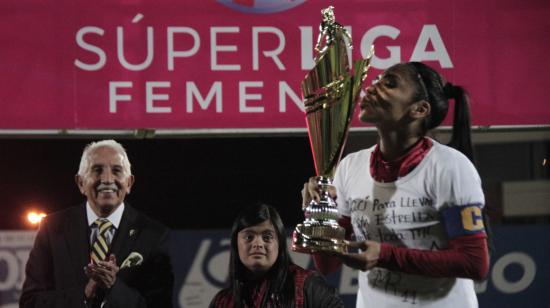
(408, 213)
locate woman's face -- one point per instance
(389, 99)
(258, 247)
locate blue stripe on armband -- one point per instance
(463, 219)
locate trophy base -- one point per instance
(318, 238)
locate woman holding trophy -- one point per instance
(413, 204)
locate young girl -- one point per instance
(261, 272)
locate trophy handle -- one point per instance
(360, 69)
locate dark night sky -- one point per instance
(201, 183)
(185, 183)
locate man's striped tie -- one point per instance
(100, 247)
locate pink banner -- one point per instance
(166, 64)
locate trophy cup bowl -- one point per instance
(330, 92)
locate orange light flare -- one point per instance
(34, 218)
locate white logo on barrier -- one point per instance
(14, 253)
(197, 290)
(499, 280)
(529, 270)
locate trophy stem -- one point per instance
(320, 230)
(324, 211)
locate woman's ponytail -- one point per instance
(461, 135)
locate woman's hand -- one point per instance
(312, 191)
(364, 260)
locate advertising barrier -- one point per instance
(518, 276)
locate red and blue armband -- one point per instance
(463, 220)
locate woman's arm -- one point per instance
(467, 256)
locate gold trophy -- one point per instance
(330, 92)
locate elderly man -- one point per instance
(102, 253)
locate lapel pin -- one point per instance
(132, 232)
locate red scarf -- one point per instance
(390, 171)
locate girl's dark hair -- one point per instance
(432, 87)
(279, 285)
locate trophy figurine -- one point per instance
(330, 92)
